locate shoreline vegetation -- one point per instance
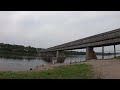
(80, 70)
(70, 53)
(28, 52)
(73, 71)
(18, 51)
(118, 58)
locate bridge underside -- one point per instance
(94, 44)
(59, 57)
(99, 40)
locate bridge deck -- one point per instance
(103, 39)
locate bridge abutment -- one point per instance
(90, 54)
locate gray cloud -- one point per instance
(45, 29)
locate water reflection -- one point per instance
(25, 64)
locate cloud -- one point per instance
(45, 29)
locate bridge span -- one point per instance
(100, 40)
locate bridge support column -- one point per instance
(90, 54)
(102, 52)
(60, 56)
(114, 52)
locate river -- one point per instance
(25, 64)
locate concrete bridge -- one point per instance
(100, 40)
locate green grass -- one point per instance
(77, 71)
(118, 57)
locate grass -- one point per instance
(76, 71)
(118, 57)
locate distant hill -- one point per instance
(8, 49)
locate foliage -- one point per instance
(7, 50)
(84, 53)
(118, 57)
(74, 53)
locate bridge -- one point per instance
(100, 40)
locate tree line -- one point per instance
(8, 49)
(20, 50)
(84, 53)
(74, 53)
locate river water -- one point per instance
(25, 64)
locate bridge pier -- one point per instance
(54, 57)
(60, 56)
(102, 52)
(114, 52)
(90, 54)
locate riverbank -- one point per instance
(75, 71)
(107, 69)
(91, 69)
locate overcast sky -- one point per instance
(44, 29)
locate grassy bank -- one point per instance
(118, 57)
(78, 71)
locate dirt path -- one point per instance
(109, 68)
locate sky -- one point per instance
(44, 29)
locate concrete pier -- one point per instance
(114, 52)
(56, 57)
(60, 56)
(90, 54)
(102, 52)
